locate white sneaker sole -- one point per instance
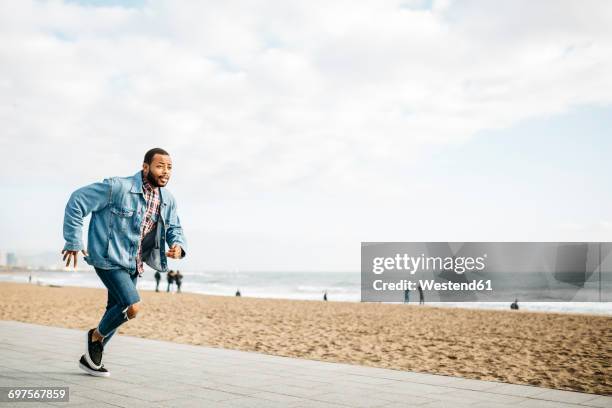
(87, 358)
(93, 372)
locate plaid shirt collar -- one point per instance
(146, 186)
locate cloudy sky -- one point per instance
(299, 129)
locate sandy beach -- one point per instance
(562, 351)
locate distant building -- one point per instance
(2, 258)
(11, 259)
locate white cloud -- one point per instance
(287, 90)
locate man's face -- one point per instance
(159, 171)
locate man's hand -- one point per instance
(69, 255)
(175, 252)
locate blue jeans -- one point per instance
(121, 294)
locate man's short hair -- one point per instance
(157, 150)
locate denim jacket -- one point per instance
(117, 206)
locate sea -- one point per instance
(340, 287)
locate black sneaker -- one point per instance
(93, 354)
(97, 372)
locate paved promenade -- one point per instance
(149, 373)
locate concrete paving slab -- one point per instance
(158, 374)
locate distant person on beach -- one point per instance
(325, 296)
(238, 293)
(157, 279)
(124, 233)
(514, 306)
(178, 278)
(407, 295)
(170, 278)
(30, 278)
(421, 295)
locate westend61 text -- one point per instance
(432, 285)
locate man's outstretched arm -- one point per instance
(81, 203)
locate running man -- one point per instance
(132, 219)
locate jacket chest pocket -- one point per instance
(123, 218)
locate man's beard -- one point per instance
(152, 180)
